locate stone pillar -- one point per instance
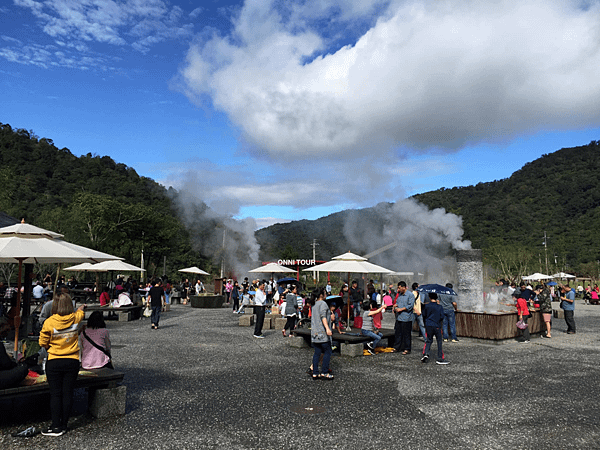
(469, 271)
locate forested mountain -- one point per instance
(101, 204)
(93, 201)
(558, 193)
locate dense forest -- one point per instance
(101, 204)
(557, 196)
(94, 202)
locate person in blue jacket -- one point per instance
(433, 314)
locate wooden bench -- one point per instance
(124, 313)
(105, 397)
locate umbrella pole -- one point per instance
(348, 327)
(18, 316)
(54, 293)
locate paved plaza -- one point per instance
(201, 381)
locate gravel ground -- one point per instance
(201, 381)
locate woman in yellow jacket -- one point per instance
(59, 336)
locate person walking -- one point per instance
(291, 310)
(60, 338)
(320, 337)
(260, 301)
(434, 318)
(157, 302)
(567, 304)
(235, 296)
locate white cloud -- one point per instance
(196, 13)
(78, 24)
(426, 75)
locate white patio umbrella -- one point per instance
(195, 270)
(350, 263)
(27, 244)
(563, 275)
(272, 268)
(84, 267)
(117, 266)
(537, 276)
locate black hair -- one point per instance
(415, 286)
(433, 296)
(449, 285)
(373, 304)
(401, 284)
(96, 320)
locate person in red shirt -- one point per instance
(104, 297)
(523, 312)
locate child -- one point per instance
(368, 328)
(433, 314)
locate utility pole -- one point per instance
(223, 253)
(142, 259)
(314, 246)
(546, 251)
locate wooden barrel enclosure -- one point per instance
(494, 326)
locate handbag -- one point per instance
(147, 311)
(521, 325)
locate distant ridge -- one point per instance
(558, 193)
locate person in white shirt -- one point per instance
(38, 292)
(260, 300)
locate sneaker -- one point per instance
(53, 432)
(370, 345)
(455, 340)
(525, 342)
(259, 336)
(425, 358)
(445, 340)
(442, 362)
(371, 352)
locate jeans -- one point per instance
(356, 309)
(437, 332)
(375, 336)
(167, 298)
(569, 320)
(260, 320)
(449, 326)
(402, 336)
(61, 374)
(155, 317)
(325, 349)
(236, 303)
(419, 320)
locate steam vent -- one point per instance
(469, 271)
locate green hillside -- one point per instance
(93, 201)
(558, 193)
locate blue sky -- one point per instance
(283, 111)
